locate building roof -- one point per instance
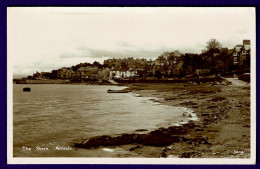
(230, 51)
(222, 49)
(238, 48)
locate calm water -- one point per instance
(59, 115)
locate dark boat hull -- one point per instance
(26, 89)
(117, 91)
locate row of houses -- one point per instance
(129, 67)
(83, 73)
(94, 72)
(234, 59)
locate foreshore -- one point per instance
(222, 131)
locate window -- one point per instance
(244, 57)
(244, 52)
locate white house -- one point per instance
(121, 73)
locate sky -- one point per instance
(48, 38)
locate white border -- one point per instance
(76, 160)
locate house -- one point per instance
(86, 72)
(62, 72)
(246, 52)
(123, 72)
(70, 74)
(82, 72)
(66, 73)
(241, 53)
(237, 54)
(36, 75)
(178, 68)
(45, 75)
(104, 73)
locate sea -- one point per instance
(50, 118)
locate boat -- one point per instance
(27, 89)
(117, 91)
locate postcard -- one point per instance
(131, 85)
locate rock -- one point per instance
(163, 154)
(164, 149)
(169, 147)
(135, 147)
(186, 155)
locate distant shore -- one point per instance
(58, 81)
(222, 131)
(123, 81)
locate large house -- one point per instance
(241, 53)
(70, 74)
(120, 73)
(82, 72)
(66, 73)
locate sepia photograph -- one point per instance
(131, 85)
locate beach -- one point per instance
(222, 129)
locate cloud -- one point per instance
(70, 55)
(242, 31)
(124, 53)
(124, 44)
(46, 38)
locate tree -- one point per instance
(165, 55)
(188, 63)
(174, 56)
(158, 74)
(96, 63)
(54, 74)
(162, 58)
(213, 44)
(211, 53)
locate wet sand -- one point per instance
(222, 131)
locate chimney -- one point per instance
(246, 42)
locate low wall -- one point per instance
(41, 81)
(206, 79)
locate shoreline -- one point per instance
(219, 108)
(209, 137)
(187, 112)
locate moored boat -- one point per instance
(116, 91)
(27, 89)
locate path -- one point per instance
(237, 82)
(113, 82)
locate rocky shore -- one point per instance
(222, 131)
